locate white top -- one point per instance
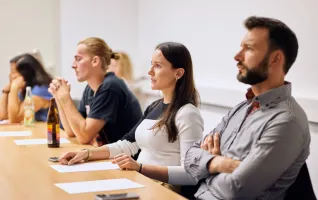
(154, 144)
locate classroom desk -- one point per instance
(26, 174)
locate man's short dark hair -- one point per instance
(280, 37)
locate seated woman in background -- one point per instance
(25, 71)
(168, 127)
(122, 67)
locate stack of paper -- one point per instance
(38, 141)
(15, 133)
(98, 186)
(96, 166)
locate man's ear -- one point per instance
(95, 61)
(277, 58)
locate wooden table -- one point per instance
(26, 174)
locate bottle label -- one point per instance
(50, 134)
(29, 117)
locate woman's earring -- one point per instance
(176, 78)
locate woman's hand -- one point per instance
(13, 75)
(125, 161)
(71, 158)
(7, 87)
(18, 82)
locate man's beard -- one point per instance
(254, 75)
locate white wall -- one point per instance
(213, 30)
(114, 21)
(25, 25)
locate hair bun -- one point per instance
(115, 55)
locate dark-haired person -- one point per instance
(108, 109)
(257, 150)
(168, 127)
(25, 71)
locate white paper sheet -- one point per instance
(15, 133)
(4, 121)
(98, 186)
(96, 166)
(38, 141)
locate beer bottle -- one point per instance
(53, 126)
(28, 108)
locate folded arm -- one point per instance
(203, 151)
(84, 129)
(266, 162)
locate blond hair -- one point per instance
(98, 47)
(125, 69)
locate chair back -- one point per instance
(302, 187)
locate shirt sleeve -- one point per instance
(105, 106)
(41, 91)
(81, 107)
(278, 148)
(128, 143)
(196, 159)
(190, 126)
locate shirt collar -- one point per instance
(109, 74)
(272, 97)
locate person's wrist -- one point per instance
(232, 164)
(140, 167)
(7, 88)
(215, 164)
(64, 98)
(5, 91)
(15, 87)
(89, 154)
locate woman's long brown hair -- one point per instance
(185, 92)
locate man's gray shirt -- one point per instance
(271, 142)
